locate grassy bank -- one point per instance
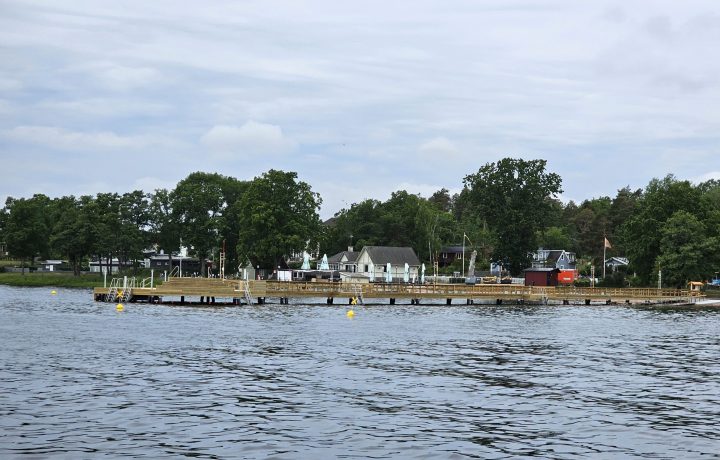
(51, 279)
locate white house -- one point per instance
(377, 258)
(345, 261)
(50, 265)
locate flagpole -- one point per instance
(604, 252)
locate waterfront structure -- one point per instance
(188, 265)
(541, 276)
(212, 291)
(373, 262)
(561, 259)
(101, 265)
(344, 261)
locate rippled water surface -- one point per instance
(80, 380)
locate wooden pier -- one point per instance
(213, 291)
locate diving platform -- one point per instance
(216, 291)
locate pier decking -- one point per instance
(223, 291)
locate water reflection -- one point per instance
(78, 379)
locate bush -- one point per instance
(581, 282)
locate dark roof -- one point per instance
(541, 270)
(453, 249)
(382, 255)
(553, 257)
(351, 256)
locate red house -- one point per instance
(541, 276)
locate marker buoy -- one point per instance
(350, 314)
(119, 307)
(53, 292)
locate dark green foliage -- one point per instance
(277, 216)
(642, 233)
(27, 231)
(506, 210)
(197, 204)
(514, 197)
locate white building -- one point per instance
(377, 258)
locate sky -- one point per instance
(359, 98)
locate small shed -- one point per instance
(695, 287)
(541, 276)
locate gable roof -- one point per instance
(381, 255)
(617, 260)
(351, 257)
(553, 256)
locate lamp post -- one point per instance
(463, 256)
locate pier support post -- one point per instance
(448, 301)
(566, 302)
(587, 301)
(330, 300)
(498, 301)
(392, 301)
(182, 300)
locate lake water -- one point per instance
(80, 380)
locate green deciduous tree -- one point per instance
(197, 204)
(278, 216)
(515, 197)
(642, 233)
(26, 227)
(164, 226)
(74, 232)
(686, 253)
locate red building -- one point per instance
(541, 276)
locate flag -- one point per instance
(607, 243)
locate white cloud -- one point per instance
(609, 95)
(9, 84)
(248, 139)
(118, 77)
(438, 146)
(106, 107)
(58, 138)
(706, 177)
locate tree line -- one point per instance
(505, 211)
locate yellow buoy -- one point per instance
(119, 307)
(350, 313)
(53, 292)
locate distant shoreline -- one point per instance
(45, 279)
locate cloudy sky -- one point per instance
(359, 98)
